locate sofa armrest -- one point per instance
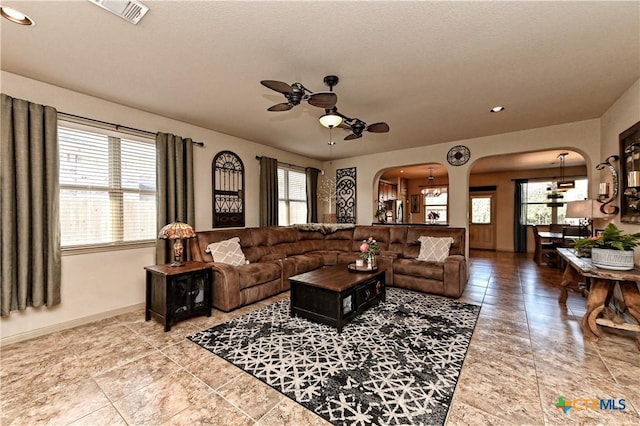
(455, 275)
(226, 286)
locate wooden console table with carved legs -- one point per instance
(603, 282)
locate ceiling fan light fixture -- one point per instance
(16, 16)
(330, 120)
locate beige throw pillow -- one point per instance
(434, 249)
(227, 251)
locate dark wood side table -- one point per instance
(177, 293)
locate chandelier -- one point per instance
(431, 190)
(563, 185)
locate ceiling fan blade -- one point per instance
(378, 128)
(278, 86)
(281, 107)
(343, 125)
(324, 100)
(352, 137)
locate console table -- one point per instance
(602, 284)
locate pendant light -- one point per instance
(431, 190)
(564, 185)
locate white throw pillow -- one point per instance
(434, 249)
(227, 251)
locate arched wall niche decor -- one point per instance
(227, 174)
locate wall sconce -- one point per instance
(604, 195)
(603, 190)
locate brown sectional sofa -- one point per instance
(277, 253)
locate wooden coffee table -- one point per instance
(333, 295)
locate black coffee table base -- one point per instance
(335, 305)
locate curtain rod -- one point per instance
(117, 126)
(294, 166)
(545, 178)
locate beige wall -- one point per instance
(624, 113)
(582, 137)
(98, 284)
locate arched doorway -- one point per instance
(413, 194)
(519, 190)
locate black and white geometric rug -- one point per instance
(396, 364)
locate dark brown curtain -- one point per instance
(174, 179)
(29, 202)
(268, 191)
(312, 194)
(520, 216)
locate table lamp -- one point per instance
(587, 210)
(176, 231)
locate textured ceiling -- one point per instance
(431, 70)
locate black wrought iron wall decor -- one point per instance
(606, 194)
(346, 195)
(227, 173)
(630, 172)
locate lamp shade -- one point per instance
(330, 120)
(176, 230)
(584, 209)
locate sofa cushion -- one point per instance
(306, 262)
(257, 273)
(434, 249)
(418, 268)
(227, 251)
(378, 233)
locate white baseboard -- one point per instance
(68, 324)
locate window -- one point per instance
(292, 195)
(437, 207)
(107, 186)
(538, 209)
(481, 209)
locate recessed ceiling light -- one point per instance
(331, 143)
(16, 16)
(497, 109)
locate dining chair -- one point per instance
(545, 251)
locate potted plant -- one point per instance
(381, 212)
(611, 249)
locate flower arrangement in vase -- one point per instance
(369, 249)
(611, 249)
(433, 216)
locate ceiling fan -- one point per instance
(358, 126)
(296, 92)
(332, 118)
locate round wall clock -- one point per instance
(458, 155)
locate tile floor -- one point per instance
(526, 351)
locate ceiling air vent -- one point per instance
(129, 10)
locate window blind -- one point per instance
(107, 187)
(292, 196)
